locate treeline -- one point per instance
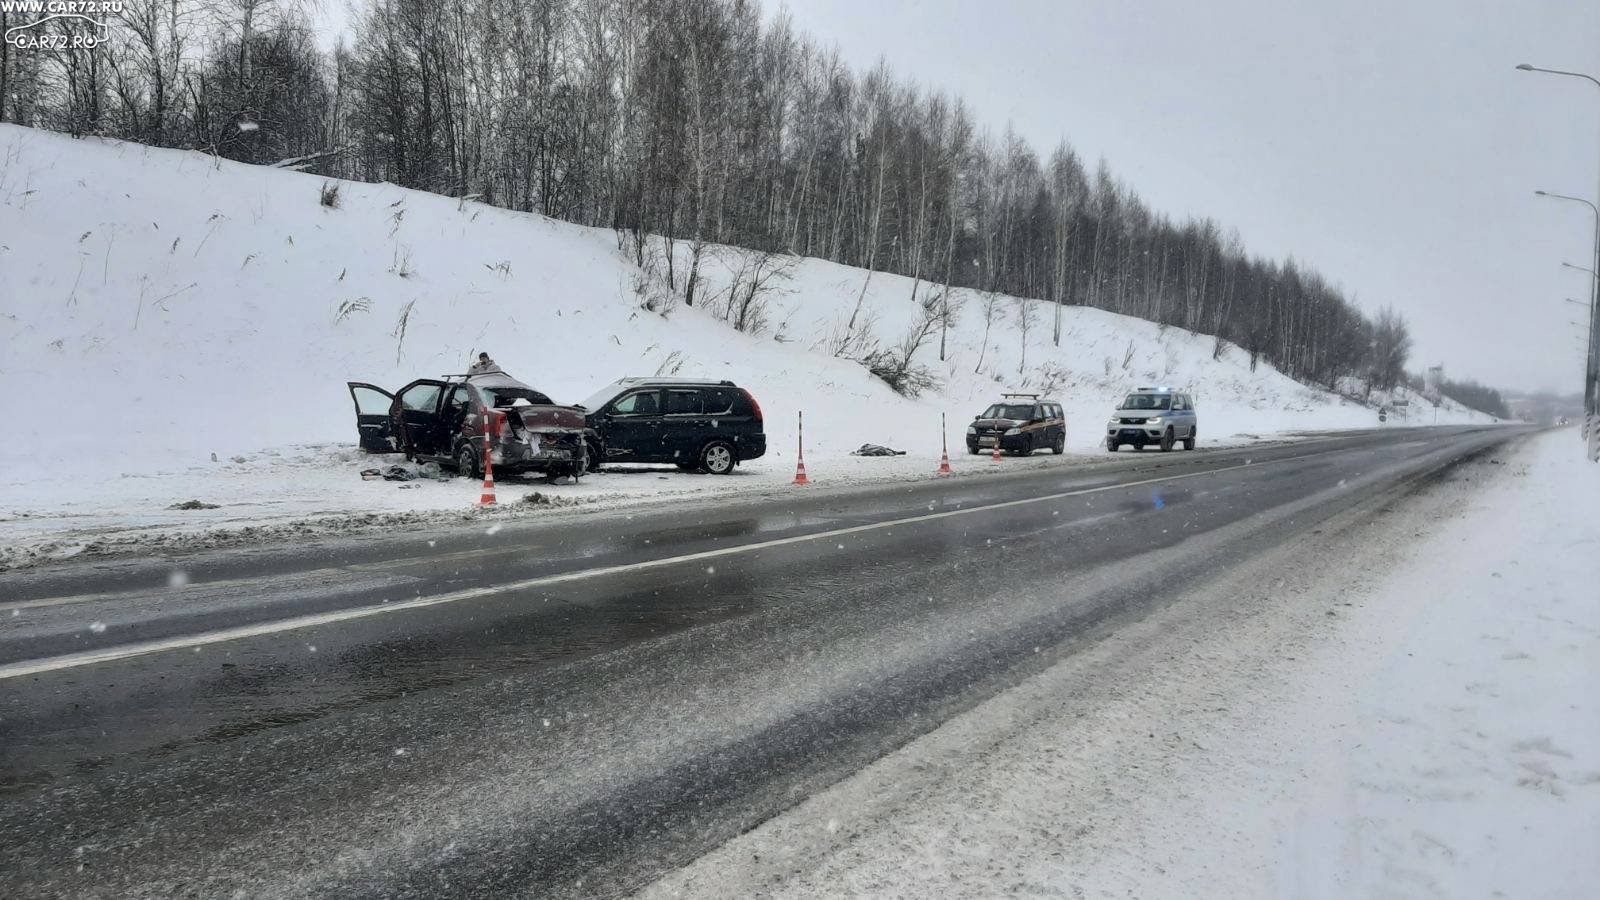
(699, 120)
(1473, 395)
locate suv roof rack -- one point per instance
(1012, 394)
(673, 379)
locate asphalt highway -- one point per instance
(570, 706)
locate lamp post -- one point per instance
(1592, 366)
(1591, 387)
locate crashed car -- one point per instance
(695, 424)
(442, 421)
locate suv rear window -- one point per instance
(719, 402)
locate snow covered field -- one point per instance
(185, 327)
(1424, 727)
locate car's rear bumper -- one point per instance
(752, 446)
(550, 452)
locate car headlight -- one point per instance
(1114, 421)
(1154, 421)
(972, 429)
(1011, 431)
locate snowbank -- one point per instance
(163, 310)
(167, 305)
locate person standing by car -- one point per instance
(483, 366)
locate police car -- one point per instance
(1152, 415)
(1019, 424)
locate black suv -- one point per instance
(706, 426)
(1019, 424)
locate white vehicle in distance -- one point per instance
(1152, 415)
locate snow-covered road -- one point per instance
(1425, 725)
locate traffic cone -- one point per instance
(487, 498)
(800, 453)
(996, 449)
(944, 449)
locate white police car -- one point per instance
(1157, 415)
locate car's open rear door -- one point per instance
(372, 418)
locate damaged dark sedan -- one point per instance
(442, 421)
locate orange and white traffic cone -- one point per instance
(997, 449)
(487, 498)
(800, 453)
(944, 449)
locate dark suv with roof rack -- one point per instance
(697, 424)
(1019, 424)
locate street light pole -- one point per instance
(1591, 371)
(1591, 388)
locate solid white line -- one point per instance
(127, 651)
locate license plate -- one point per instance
(986, 441)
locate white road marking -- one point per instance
(145, 648)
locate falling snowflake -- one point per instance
(493, 530)
(711, 570)
(177, 578)
(96, 627)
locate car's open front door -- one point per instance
(373, 424)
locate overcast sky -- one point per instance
(1389, 144)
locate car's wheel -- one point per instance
(1188, 442)
(1060, 446)
(973, 450)
(596, 454)
(1026, 449)
(1166, 441)
(1111, 445)
(467, 462)
(717, 458)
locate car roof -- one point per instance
(671, 380)
(490, 380)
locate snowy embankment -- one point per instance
(1425, 726)
(176, 326)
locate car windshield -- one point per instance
(602, 397)
(1147, 401)
(501, 397)
(1019, 411)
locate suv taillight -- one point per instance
(754, 406)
